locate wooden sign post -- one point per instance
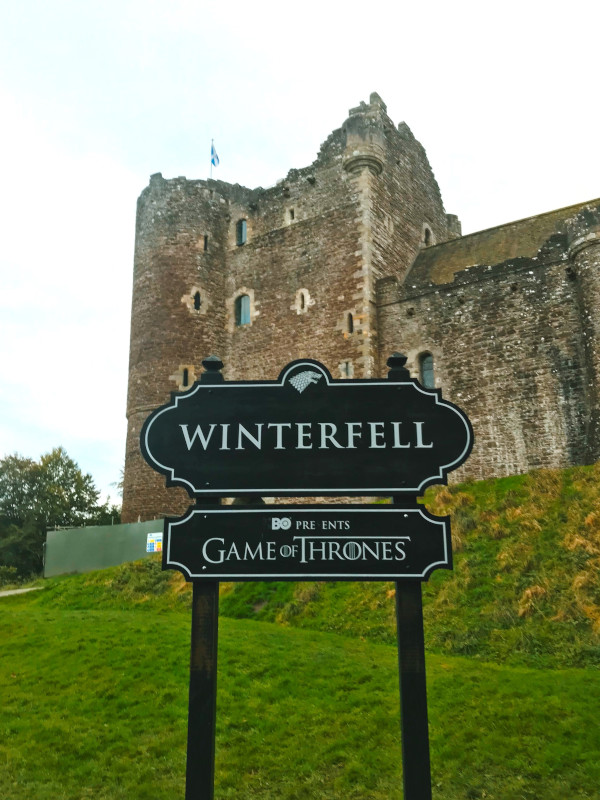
(306, 434)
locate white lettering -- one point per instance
(419, 427)
(400, 550)
(303, 434)
(205, 555)
(352, 551)
(397, 443)
(253, 555)
(316, 547)
(335, 525)
(280, 426)
(368, 549)
(302, 548)
(380, 435)
(352, 434)
(197, 434)
(377, 434)
(334, 549)
(224, 429)
(254, 439)
(233, 551)
(325, 437)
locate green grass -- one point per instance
(94, 669)
(94, 691)
(525, 588)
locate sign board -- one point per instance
(342, 542)
(306, 434)
(154, 542)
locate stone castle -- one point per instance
(349, 260)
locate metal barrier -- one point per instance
(87, 549)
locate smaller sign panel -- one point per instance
(343, 542)
(154, 542)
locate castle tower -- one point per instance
(261, 277)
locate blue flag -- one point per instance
(214, 158)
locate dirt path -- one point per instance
(7, 592)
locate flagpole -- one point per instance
(212, 144)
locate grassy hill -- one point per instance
(94, 702)
(525, 588)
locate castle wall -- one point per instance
(583, 231)
(315, 254)
(508, 348)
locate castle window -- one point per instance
(350, 322)
(292, 215)
(346, 369)
(426, 375)
(242, 310)
(302, 302)
(205, 242)
(184, 377)
(241, 230)
(196, 300)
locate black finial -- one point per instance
(398, 371)
(212, 366)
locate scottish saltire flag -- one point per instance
(214, 158)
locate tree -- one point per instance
(36, 496)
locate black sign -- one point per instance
(306, 434)
(363, 542)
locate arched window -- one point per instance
(350, 322)
(426, 375)
(302, 301)
(197, 301)
(241, 231)
(426, 236)
(185, 378)
(242, 310)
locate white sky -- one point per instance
(96, 96)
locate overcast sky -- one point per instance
(96, 96)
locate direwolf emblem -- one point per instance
(303, 379)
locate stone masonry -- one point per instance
(350, 259)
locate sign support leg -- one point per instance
(413, 691)
(202, 714)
